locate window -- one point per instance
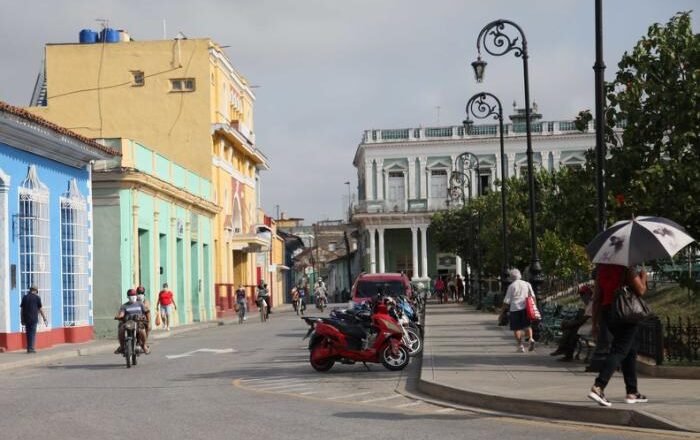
(74, 257)
(438, 183)
(182, 85)
(34, 242)
(139, 79)
(484, 181)
(332, 246)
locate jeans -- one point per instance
(623, 352)
(31, 335)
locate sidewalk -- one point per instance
(469, 360)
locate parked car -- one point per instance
(367, 286)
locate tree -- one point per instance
(655, 98)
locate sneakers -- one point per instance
(531, 345)
(636, 398)
(597, 395)
(521, 349)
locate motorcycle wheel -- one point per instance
(321, 366)
(127, 353)
(395, 362)
(414, 343)
(133, 355)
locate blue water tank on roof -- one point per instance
(109, 35)
(88, 36)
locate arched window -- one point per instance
(237, 216)
(34, 242)
(74, 257)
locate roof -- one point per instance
(24, 114)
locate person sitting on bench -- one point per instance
(570, 327)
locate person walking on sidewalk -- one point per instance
(623, 351)
(31, 309)
(165, 305)
(515, 301)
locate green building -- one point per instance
(153, 224)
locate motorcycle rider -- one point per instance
(141, 299)
(132, 309)
(320, 291)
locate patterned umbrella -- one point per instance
(631, 242)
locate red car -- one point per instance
(368, 285)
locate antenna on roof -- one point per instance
(103, 21)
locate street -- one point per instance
(244, 381)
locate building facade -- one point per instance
(184, 101)
(155, 226)
(46, 227)
(403, 179)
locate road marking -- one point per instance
(379, 399)
(445, 410)
(281, 387)
(347, 396)
(308, 392)
(202, 350)
(404, 405)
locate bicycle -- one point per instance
(241, 313)
(262, 305)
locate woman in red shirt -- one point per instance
(166, 305)
(623, 351)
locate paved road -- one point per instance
(253, 382)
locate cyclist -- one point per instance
(263, 294)
(320, 292)
(295, 299)
(241, 301)
(301, 291)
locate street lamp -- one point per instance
(498, 43)
(349, 202)
(484, 105)
(460, 191)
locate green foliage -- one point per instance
(654, 170)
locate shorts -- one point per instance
(166, 310)
(518, 320)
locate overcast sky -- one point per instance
(329, 69)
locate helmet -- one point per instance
(140, 290)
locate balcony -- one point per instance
(400, 206)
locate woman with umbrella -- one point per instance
(618, 251)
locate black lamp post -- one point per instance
(484, 105)
(498, 43)
(460, 192)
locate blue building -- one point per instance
(45, 226)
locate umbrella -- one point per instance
(631, 242)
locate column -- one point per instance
(369, 188)
(556, 160)
(380, 180)
(458, 263)
(497, 171)
(135, 269)
(382, 266)
(372, 251)
(414, 243)
(512, 167)
(422, 161)
(155, 281)
(424, 249)
(411, 173)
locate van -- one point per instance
(368, 286)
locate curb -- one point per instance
(536, 408)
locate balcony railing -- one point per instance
(539, 128)
(400, 206)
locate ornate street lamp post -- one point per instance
(498, 43)
(460, 192)
(482, 106)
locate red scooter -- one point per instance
(336, 340)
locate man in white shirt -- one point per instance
(515, 300)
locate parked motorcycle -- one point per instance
(362, 336)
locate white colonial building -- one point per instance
(403, 179)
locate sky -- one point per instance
(326, 70)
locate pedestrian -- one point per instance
(452, 288)
(165, 305)
(570, 327)
(460, 288)
(440, 289)
(31, 309)
(516, 302)
(623, 350)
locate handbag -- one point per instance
(533, 313)
(158, 320)
(629, 308)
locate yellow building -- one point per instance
(185, 101)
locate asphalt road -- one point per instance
(246, 381)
